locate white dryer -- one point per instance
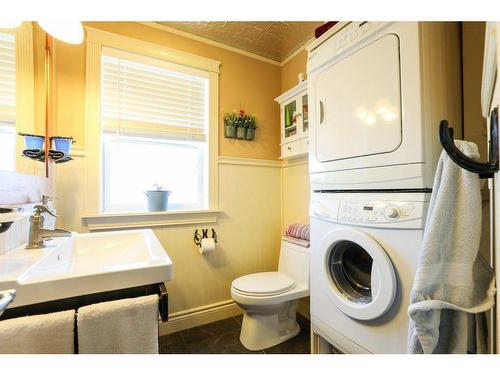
(364, 252)
(377, 91)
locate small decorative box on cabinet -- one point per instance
(294, 121)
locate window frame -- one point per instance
(199, 146)
(25, 93)
(95, 41)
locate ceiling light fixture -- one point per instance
(66, 31)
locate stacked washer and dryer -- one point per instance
(377, 91)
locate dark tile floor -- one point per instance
(223, 337)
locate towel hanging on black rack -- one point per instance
(485, 170)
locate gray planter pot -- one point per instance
(230, 131)
(250, 134)
(157, 199)
(241, 133)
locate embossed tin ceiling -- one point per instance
(274, 40)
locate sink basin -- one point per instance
(84, 264)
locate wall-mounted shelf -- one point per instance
(294, 121)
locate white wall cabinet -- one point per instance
(294, 121)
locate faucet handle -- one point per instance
(39, 208)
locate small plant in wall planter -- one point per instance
(231, 120)
(240, 125)
(252, 125)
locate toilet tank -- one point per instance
(294, 261)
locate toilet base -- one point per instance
(264, 330)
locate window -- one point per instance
(7, 101)
(154, 130)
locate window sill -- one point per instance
(127, 220)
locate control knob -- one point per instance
(392, 212)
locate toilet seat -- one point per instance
(263, 284)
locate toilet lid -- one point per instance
(264, 283)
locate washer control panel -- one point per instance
(372, 212)
(377, 211)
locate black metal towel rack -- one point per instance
(485, 170)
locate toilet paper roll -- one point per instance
(207, 245)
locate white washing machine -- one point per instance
(364, 252)
(377, 91)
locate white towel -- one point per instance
(452, 283)
(39, 334)
(128, 326)
(297, 241)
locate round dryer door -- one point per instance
(361, 276)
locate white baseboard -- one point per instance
(211, 313)
(199, 316)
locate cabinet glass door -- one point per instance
(290, 119)
(305, 114)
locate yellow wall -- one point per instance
(69, 92)
(472, 55)
(296, 190)
(39, 72)
(290, 71)
(244, 81)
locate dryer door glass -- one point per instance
(350, 269)
(358, 102)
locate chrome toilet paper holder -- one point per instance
(204, 234)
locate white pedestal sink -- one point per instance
(84, 264)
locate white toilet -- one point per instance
(270, 299)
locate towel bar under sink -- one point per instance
(74, 303)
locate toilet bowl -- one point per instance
(269, 299)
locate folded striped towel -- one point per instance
(300, 231)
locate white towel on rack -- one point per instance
(126, 326)
(452, 283)
(39, 334)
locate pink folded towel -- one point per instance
(300, 231)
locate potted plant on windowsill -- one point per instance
(158, 198)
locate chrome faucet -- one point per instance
(38, 233)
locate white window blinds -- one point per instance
(149, 97)
(7, 79)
